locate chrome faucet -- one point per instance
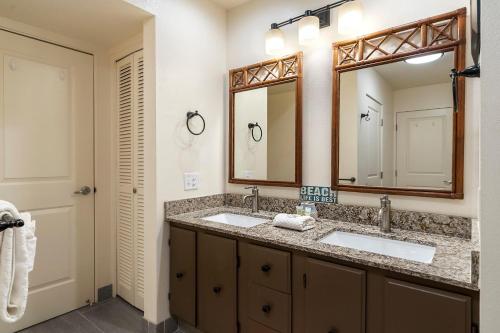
(384, 214)
(254, 196)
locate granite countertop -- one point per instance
(451, 264)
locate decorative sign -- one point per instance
(318, 194)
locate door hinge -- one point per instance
(381, 175)
(304, 280)
(396, 173)
(396, 127)
(238, 261)
(381, 122)
(95, 189)
(169, 296)
(169, 242)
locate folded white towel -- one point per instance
(17, 253)
(294, 222)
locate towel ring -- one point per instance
(8, 222)
(191, 115)
(252, 127)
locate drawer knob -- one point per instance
(179, 275)
(265, 268)
(217, 290)
(266, 308)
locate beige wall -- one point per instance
(436, 96)
(250, 157)
(281, 132)
(246, 28)
(490, 161)
(184, 49)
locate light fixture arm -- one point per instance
(315, 12)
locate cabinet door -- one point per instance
(216, 284)
(183, 274)
(412, 308)
(334, 298)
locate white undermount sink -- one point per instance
(237, 220)
(388, 247)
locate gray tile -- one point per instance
(72, 322)
(114, 316)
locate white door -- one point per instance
(424, 148)
(130, 223)
(46, 154)
(370, 145)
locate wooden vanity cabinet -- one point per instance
(217, 284)
(222, 285)
(182, 293)
(412, 308)
(328, 298)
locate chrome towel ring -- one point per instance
(191, 115)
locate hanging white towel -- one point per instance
(17, 254)
(294, 222)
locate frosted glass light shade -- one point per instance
(424, 59)
(275, 42)
(350, 18)
(308, 30)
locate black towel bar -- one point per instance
(7, 222)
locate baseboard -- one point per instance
(168, 326)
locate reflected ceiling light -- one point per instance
(350, 18)
(424, 59)
(310, 23)
(275, 41)
(308, 28)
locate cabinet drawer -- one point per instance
(269, 307)
(269, 267)
(255, 327)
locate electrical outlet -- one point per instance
(191, 181)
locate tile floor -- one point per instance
(111, 316)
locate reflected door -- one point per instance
(46, 154)
(424, 148)
(370, 145)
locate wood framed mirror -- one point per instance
(265, 123)
(398, 121)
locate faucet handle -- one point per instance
(384, 200)
(253, 187)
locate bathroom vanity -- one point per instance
(258, 279)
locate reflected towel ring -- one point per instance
(252, 127)
(191, 115)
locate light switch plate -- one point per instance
(191, 181)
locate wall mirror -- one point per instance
(265, 132)
(398, 118)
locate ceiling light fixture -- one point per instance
(309, 25)
(424, 59)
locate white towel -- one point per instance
(294, 222)
(17, 254)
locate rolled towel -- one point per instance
(294, 222)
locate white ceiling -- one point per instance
(230, 3)
(401, 75)
(99, 22)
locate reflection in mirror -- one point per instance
(264, 133)
(396, 124)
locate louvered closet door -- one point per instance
(130, 222)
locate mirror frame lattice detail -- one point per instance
(441, 33)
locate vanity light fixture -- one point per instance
(350, 18)
(424, 59)
(309, 25)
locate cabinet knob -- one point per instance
(217, 290)
(179, 275)
(266, 308)
(265, 268)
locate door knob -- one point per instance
(84, 190)
(217, 290)
(266, 308)
(265, 268)
(447, 182)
